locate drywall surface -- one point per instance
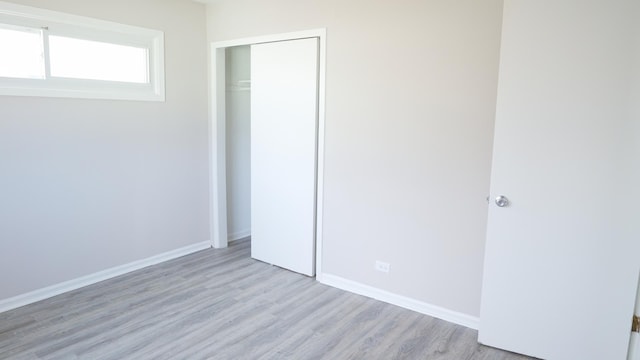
(238, 141)
(410, 103)
(87, 185)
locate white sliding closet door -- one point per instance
(284, 93)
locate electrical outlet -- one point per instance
(382, 266)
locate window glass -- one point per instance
(49, 53)
(85, 59)
(21, 53)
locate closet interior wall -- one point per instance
(238, 141)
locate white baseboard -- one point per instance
(402, 301)
(238, 235)
(57, 289)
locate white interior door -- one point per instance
(561, 263)
(284, 93)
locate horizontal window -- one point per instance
(47, 53)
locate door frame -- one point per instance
(217, 134)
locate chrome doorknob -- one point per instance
(502, 201)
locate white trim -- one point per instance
(322, 61)
(239, 235)
(402, 301)
(634, 347)
(217, 144)
(321, 33)
(218, 184)
(57, 289)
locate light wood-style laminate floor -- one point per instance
(221, 304)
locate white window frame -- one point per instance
(57, 23)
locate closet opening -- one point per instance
(288, 133)
(238, 141)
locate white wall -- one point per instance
(238, 141)
(87, 185)
(410, 102)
